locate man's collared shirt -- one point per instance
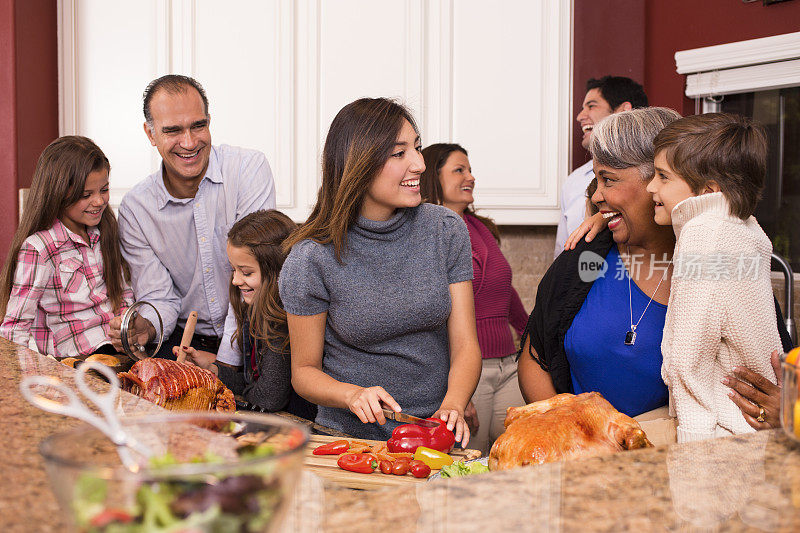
(176, 247)
(59, 296)
(573, 203)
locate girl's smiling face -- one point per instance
(668, 190)
(246, 272)
(88, 210)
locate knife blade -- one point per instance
(408, 419)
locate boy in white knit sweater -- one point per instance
(710, 171)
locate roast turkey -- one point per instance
(177, 386)
(564, 427)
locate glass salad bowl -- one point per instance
(208, 472)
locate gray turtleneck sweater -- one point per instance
(387, 304)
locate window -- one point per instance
(778, 212)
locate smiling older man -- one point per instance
(174, 224)
(604, 96)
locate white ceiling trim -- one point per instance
(739, 54)
(744, 79)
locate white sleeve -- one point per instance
(150, 279)
(229, 353)
(256, 186)
(561, 233)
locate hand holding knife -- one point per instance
(408, 419)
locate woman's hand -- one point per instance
(197, 357)
(752, 392)
(455, 423)
(367, 404)
(589, 227)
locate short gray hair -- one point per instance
(625, 139)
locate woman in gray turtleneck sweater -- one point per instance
(380, 284)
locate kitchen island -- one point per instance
(744, 483)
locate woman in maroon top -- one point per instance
(448, 181)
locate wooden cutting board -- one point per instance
(325, 466)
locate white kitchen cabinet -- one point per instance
(493, 76)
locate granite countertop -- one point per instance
(743, 483)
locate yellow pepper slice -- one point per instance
(796, 419)
(433, 458)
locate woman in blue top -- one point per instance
(597, 326)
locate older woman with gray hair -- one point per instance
(600, 308)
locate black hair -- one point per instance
(617, 89)
(173, 84)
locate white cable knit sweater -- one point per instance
(721, 314)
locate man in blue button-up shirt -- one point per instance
(174, 224)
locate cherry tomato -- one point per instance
(385, 466)
(420, 469)
(400, 467)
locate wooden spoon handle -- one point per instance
(188, 333)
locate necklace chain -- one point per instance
(632, 333)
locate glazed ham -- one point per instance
(177, 386)
(564, 427)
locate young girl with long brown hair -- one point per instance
(377, 286)
(64, 277)
(255, 254)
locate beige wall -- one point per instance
(529, 250)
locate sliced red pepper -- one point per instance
(336, 447)
(408, 437)
(363, 463)
(109, 516)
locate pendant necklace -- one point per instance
(630, 336)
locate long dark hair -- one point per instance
(360, 140)
(262, 233)
(436, 156)
(58, 182)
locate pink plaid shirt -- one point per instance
(59, 295)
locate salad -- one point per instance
(460, 468)
(242, 500)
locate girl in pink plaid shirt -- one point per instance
(65, 278)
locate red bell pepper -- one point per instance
(408, 437)
(332, 448)
(363, 463)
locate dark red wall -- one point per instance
(639, 38)
(608, 38)
(28, 99)
(8, 127)
(37, 82)
(685, 24)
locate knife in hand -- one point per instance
(408, 419)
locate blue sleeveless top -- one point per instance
(629, 377)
